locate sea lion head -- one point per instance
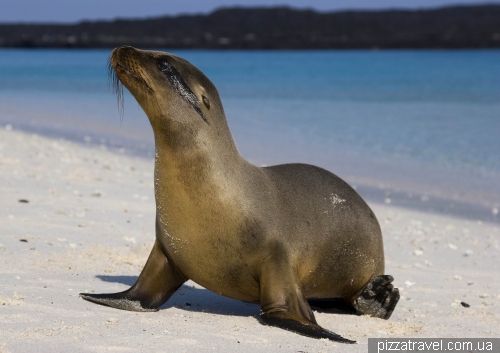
(179, 100)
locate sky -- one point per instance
(77, 10)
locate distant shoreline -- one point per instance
(277, 28)
(173, 49)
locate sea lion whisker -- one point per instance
(135, 76)
(116, 86)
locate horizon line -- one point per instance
(244, 7)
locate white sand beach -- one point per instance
(78, 218)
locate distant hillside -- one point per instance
(275, 28)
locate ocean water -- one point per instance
(417, 129)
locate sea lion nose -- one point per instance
(126, 48)
(124, 52)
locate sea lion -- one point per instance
(278, 236)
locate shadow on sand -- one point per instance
(202, 300)
(196, 299)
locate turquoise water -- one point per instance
(424, 122)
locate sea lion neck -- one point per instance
(181, 141)
(194, 157)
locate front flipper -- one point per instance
(157, 282)
(301, 326)
(283, 304)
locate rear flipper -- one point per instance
(157, 282)
(282, 302)
(378, 298)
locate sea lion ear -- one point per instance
(206, 102)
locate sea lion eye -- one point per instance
(206, 102)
